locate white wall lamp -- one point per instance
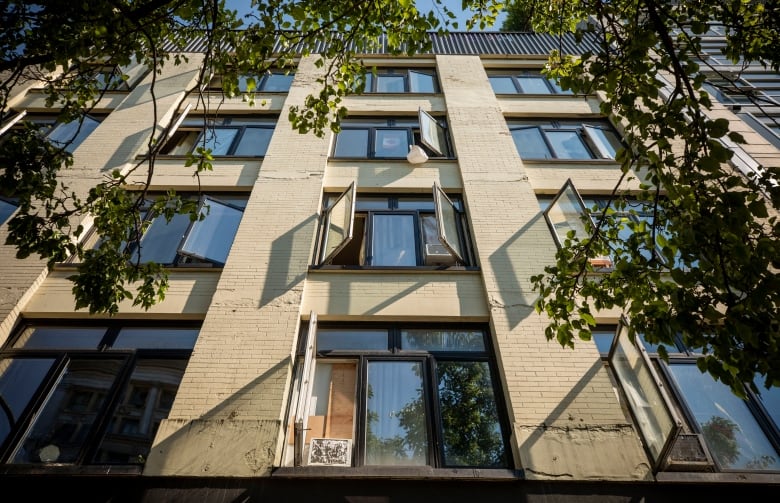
(416, 155)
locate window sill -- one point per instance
(409, 472)
(217, 158)
(56, 469)
(595, 162)
(393, 270)
(365, 94)
(65, 266)
(390, 159)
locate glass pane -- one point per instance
(244, 81)
(218, 140)
(254, 141)
(393, 241)
(432, 135)
(503, 85)
(146, 401)
(395, 416)
(603, 340)
(6, 210)
(558, 87)
(74, 132)
(161, 240)
(352, 143)
(156, 338)
(421, 82)
(430, 227)
(606, 142)
(530, 143)
(351, 339)
(277, 83)
(340, 216)
(61, 337)
(448, 223)
(69, 414)
(533, 85)
(565, 215)
(390, 84)
(19, 380)
(415, 203)
(568, 145)
(644, 398)
(391, 143)
(770, 398)
(731, 432)
(211, 238)
(443, 340)
(469, 418)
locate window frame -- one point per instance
(307, 356)
(583, 130)
(39, 396)
(516, 78)
(459, 247)
(261, 82)
(428, 132)
(187, 134)
(374, 74)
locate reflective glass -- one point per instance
(443, 340)
(277, 83)
(254, 142)
(420, 82)
(74, 132)
(161, 240)
(60, 337)
(567, 145)
(566, 214)
(211, 238)
(731, 432)
(64, 422)
(396, 432)
(351, 339)
(533, 85)
(770, 399)
(352, 143)
(19, 380)
(6, 210)
(218, 140)
(530, 143)
(393, 241)
(469, 417)
(156, 338)
(503, 85)
(390, 84)
(143, 405)
(391, 143)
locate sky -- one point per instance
(242, 6)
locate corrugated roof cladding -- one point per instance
(472, 43)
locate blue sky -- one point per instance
(242, 6)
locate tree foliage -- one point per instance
(705, 266)
(56, 45)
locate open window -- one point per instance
(432, 135)
(373, 138)
(401, 80)
(239, 136)
(565, 215)
(369, 395)
(210, 238)
(393, 231)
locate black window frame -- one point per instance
(517, 76)
(49, 123)
(187, 136)
(414, 136)
(429, 360)
(128, 359)
(373, 75)
(261, 82)
(456, 252)
(582, 130)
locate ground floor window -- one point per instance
(396, 396)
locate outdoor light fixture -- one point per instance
(416, 155)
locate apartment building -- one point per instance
(353, 320)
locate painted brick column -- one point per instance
(566, 421)
(228, 410)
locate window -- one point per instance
(7, 208)
(734, 434)
(565, 139)
(224, 136)
(270, 82)
(180, 241)
(391, 138)
(393, 231)
(110, 78)
(396, 396)
(88, 394)
(401, 80)
(66, 135)
(564, 213)
(768, 126)
(524, 82)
